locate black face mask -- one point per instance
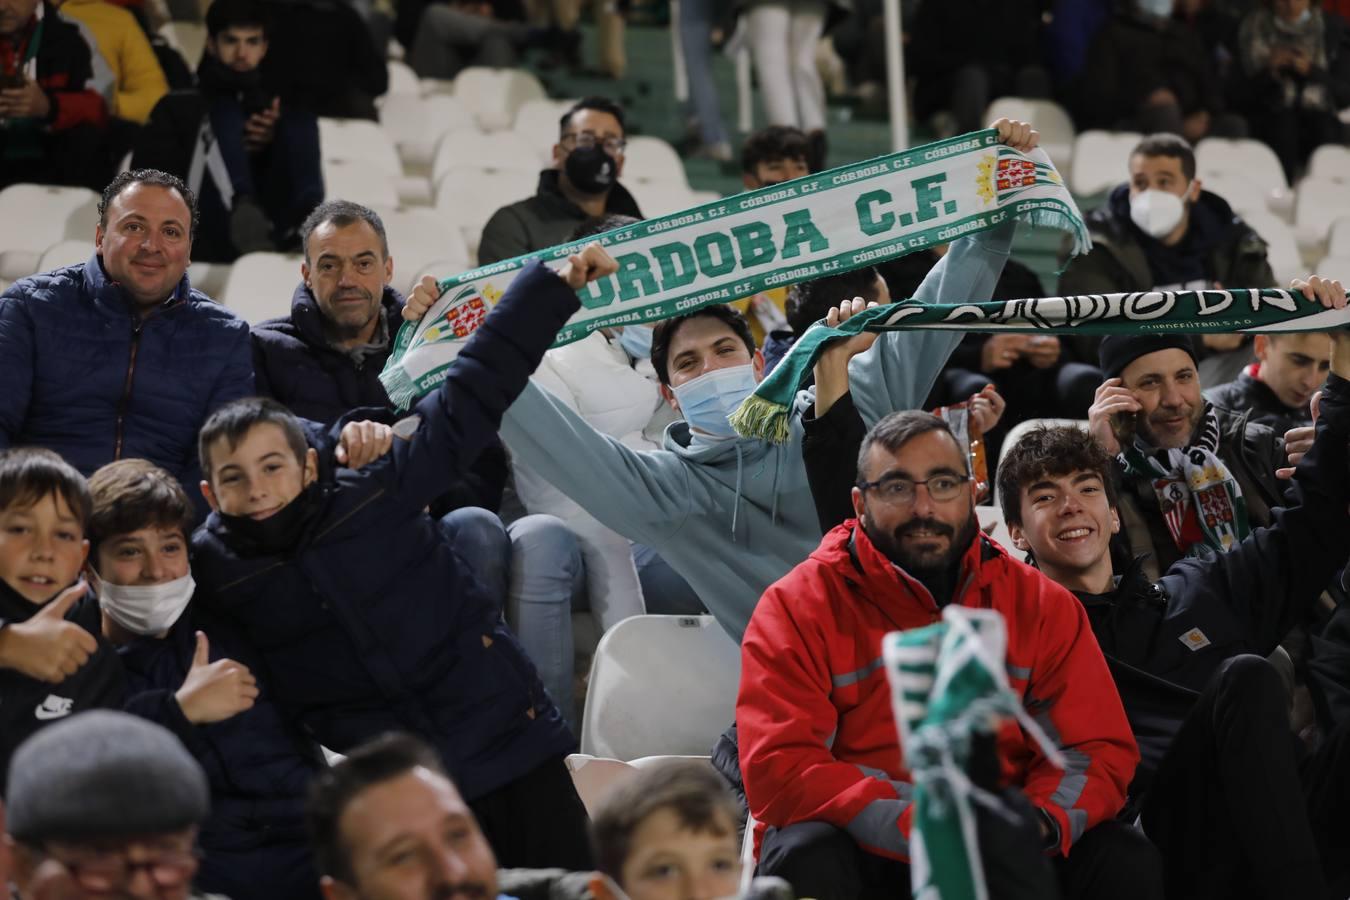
(591, 170)
(280, 532)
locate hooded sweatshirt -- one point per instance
(734, 516)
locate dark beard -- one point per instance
(938, 573)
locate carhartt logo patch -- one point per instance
(1195, 639)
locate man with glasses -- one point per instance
(105, 804)
(582, 183)
(819, 753)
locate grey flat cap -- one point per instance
(103, 773)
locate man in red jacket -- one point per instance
(818, 747)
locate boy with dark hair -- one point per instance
(51, 663)
(669, 831)
(773, 155)
(361, 613)
(193, 683)
(254, 165)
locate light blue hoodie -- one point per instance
(734, 516)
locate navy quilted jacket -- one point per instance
(371, 622)
(82, 375)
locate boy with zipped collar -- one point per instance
(52, 665)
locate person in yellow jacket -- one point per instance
(126, 71)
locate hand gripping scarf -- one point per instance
(827, 223)
(949, 683)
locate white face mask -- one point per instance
(146, 609)
(1157, 213)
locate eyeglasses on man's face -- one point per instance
(102, 870)
(897, 490)
(613, 145)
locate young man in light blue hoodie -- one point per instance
(732, 514)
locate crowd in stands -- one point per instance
(265, 635)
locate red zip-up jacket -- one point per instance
(817, 737)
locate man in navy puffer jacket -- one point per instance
(363, 618)
(120, 357)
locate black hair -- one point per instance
(599, 104)
(692, 789)
(341, 213)
(897, 429)
(330, 793)
(154, 177)
(809, 301)
(663, 333)
(235, 420)
(777, 142)
(1172, 145)
(223, 15)
(1050, 452)
(27, 474)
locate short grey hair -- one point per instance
(897, 429)
(342, 213)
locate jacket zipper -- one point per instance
(125, 402)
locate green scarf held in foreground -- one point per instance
(764, 414)
(949, 684)
(800, 230)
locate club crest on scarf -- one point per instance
(1002, 176)
(463, 316)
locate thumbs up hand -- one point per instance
(215, 691)
(47, 647)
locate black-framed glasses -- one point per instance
(101, 871)
(612, 145)
(897, 490)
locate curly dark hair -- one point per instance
(1050, 452)
(154, 177)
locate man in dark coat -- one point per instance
(365, 619)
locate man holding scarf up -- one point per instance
(1195, 478)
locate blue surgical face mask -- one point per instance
(709, 399)
(636, 341)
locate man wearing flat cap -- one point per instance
(1195, 478)
(105, 804)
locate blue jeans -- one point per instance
(696, 42)
(664, 591)
(286, 178)
(534, 567)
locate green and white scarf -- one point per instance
(1200, 500)
(822, 224)
(949, 683)
(764, 414)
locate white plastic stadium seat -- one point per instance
(1338, 242)
(33, 217)
(260, 285)
(1050, 119)
(188, 38)
(1244, 157)
(348, 139)
(64, 253)
(652, 159)
(502, 152)
(992, 524)
(1282, 248)
(416, 123)
(1100, 160)
(1337, 267)
(360, 181)
(537, 121)
(468, 198)
(419, 238)
(660, 685)
(402, 81)
(1330, 162)
(1015, 435)
(657, 198)
(495, 95)
(594, 776)
(1320, 203)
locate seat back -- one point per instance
(260, 285)
(660, 685)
